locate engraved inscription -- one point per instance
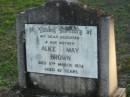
(66, 50)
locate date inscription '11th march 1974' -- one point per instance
(67, 50)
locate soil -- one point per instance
(3, 93)
(28, 92)
(16, 91)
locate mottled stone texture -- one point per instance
(60, 12)
(21, 58)
(107, 57)
(121, 92)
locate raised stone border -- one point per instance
(106, 85)
(121, 92)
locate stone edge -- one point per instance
(120, 92)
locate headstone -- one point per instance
(67, 48)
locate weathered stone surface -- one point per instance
(120, 92)
(60, 50)
(62, 13)
(107, 57)
(21, 59)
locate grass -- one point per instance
(8, 64)
(128, 91)
(8, 9)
